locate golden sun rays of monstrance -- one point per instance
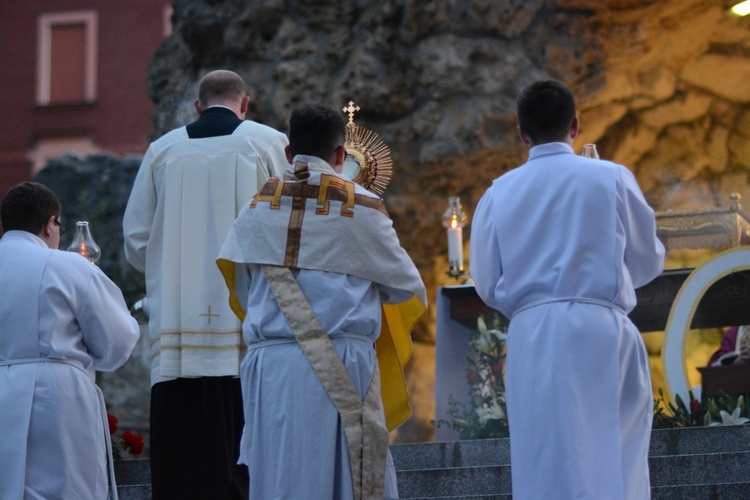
(368, 160)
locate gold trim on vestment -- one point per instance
(273, 197)
(234, 336)
(274, 189)
(366, 436)
(333, 182)
(331, 188)
(294, 232)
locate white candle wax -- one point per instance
(455, 245)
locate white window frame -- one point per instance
(167, 20)
(45, 24)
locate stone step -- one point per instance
(455, 481)
(700, 440)
(692, 492)
(134, 492)
(695, 440)
(448, 454)
(707, 468)
(469, 497)
(700, 463)
(666, 471)
(719, 491)
(133, 472)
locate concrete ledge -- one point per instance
(702, 492)
(462, 481)
(700, 440)
(470, 453)
(709, 468)
(136, 471)
(702, 463)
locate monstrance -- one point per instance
(368, 158)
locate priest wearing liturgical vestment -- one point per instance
(61, 319)
(313, 264)
(189, 189)
(558, 245)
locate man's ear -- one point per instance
(48, 229)
(524, 138)
(244, 105)
(574, 128)
(288, 152)
(198, 107)
(340, 156)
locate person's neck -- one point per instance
(566, 140)
(220, 106)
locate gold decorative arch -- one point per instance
(683, 310)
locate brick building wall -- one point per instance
(114, 113)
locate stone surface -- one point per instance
(696, 463)
(96, 189)
(724, 76)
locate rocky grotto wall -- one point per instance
(662, 87)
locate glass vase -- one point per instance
(84, 244)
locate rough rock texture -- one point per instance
(662, 87)
(96, 189)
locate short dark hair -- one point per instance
(27, 207)
(221, 84)
(315, 130)
(546, 110)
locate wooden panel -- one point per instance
(731, 379)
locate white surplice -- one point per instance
(559, 245)
(294, 443)
(178, 214)
(55, 305)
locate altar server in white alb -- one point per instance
(559, 245)
(192, 183)
(311, 263)
(61, 319)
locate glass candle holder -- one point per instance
(454, 219)
(589, 151)
(84, 244)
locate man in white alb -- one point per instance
(559, 245)
(313, 264)
(61, 319)
(192, 183)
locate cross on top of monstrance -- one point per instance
(368, 160)
(350, 110)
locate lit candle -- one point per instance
(454, 219)
(455, 245)
(84, 244)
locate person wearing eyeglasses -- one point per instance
(191, 185)
(61, 319)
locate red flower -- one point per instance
(133, 441)
(695, 408)
(112, 421)
(498, 369)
